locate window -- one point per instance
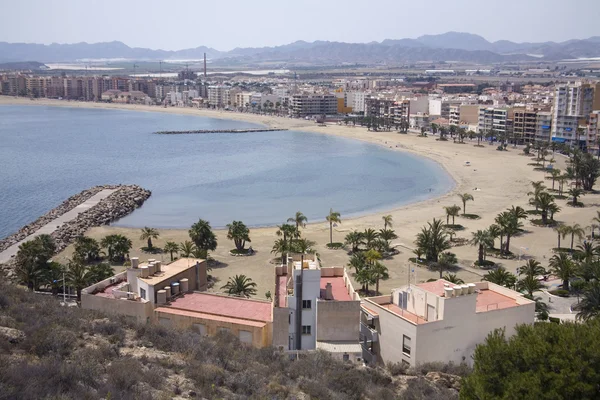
(306, 303)
(143, 293)
(406, 345)
(245, 336)
(224, 330)
(306, 329)
(346, 357)
(201, 329)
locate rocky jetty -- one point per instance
(220, 131)
(119, 204)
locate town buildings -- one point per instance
(573, 103)
(496, 119)
(438, 321)
(316, 308)
(303, 105)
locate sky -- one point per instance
(224, 25)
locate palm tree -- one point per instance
(369, 237)
(563, 267)
(186, 249)
(333, 217)
(587, 251)
(464, 198)
(589, 307)
(433, 240)
(240, 286)
(452, 278)
(575, 230)
(596, 221)
(102, 271)
(117, 246)
(387, 235)
(555, 174)
(482, 239)
(446, 260)
(544, 201)
(299, 219)
(171, 247)
(281, 246)
(562, 231)
(79, 276)
(578, 287)
(494, 231)
(149, 234)
(451, 211)
(518, 212)
(87, 248)
(239, 233)
(532, 268)
(500, 276)
(529, 284)
(354, 239)
(575, 193)
(379, 272)
(361, 273)
(387, 221)
(510, 226)
(203, 237)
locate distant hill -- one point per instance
(450, 46)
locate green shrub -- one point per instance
(335, 245)
(560, 292)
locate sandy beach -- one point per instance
(502, 180)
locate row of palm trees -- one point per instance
(371, 239)
(543, 201)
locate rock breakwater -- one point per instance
(119, 204)
(219, 131)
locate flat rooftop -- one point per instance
(108, 291)
(170, 270)
(211, 317)
(340, 292)
(436, 287)
(224, 306)
(489, 300)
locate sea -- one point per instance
(261, 178)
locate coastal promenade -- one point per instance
(51, 226)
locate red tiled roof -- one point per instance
(339, 290)
(169, 310)
(225, 306)
(435, 287)
(489, 300)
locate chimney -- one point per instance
(144, 269)
(168, 292)
(161, 297)
(184, 283)
(158, 266)
(135, 262)
(328, 291)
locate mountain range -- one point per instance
(450, 46)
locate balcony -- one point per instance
(368, 356)
(367, 333)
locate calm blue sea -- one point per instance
(50, 153)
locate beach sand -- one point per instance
(502, 180)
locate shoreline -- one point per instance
(271, 123)
(503, 179)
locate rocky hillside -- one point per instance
(53, 352)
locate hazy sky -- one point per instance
(179, 24)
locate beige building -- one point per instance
(524, 125)
(316, 308)
(438, 321)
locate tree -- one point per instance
(544, 202)
(333, 217)
(433, 240)
(370, 236)
(387, 235)
(540, 361)
(452, 211)
(79, 276)
(299, 219)
(117, 246)
(87, 248)
(578, 287)
(464, 198)
(589, 307)
(240, 286)
(446, 260)
(186, 248)
(494, 231)
(102, 271)
(203, 237)
(387, 221)
(587, 251)
(31, 261)
(149, 234)
(529, 284)
(575, 193)
(510, 225)
(575, 230)
(354, 239)
(239, 233)
(562, 231)
(483, 240)
(531, 268)
(555, 174)
(563, 267)
(171, 247)
(362, 273)
(500, 276)
(452, 278)
(281, 246)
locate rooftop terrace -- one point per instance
(340, 292)
(170, 270)
(224, 306)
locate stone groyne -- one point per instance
(119, 204)
(220, 131)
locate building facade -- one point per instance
(438, 321)
(303, 105)
(573, 103)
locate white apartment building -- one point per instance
(438, 321)
(543, 126)
(243, 99)
(218, 95)
(497, 119)
(356, 100)
(573, 103)
(316, 308)
(280, 91)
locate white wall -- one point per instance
(435, 107)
